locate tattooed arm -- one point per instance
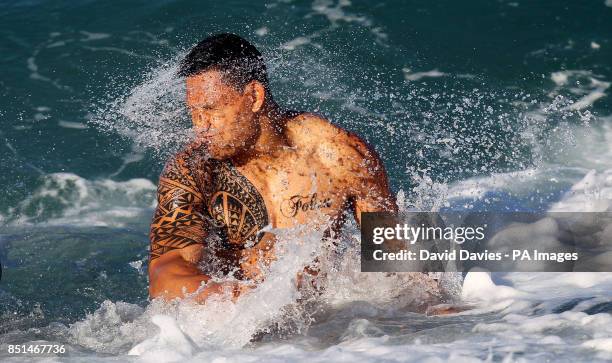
(177, 236)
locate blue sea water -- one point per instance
(501, 105)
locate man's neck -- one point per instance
(271, 139)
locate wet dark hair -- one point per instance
(238, 60)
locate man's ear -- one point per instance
(258, 94)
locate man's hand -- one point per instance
(231, 288)
(253, 259)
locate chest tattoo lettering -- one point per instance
(303, 203)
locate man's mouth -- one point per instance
(205, 134)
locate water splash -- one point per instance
(152, 115)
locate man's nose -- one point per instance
(201, 120)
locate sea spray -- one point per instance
(108, 330)
(151, 114)
(447, 128)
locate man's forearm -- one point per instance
(186, 286)
(171, 276)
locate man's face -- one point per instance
(222, 116)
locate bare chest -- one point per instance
(246, 199)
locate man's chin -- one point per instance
(220, 154)
(211, 151)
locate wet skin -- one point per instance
(252, 165)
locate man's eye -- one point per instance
(201, 108)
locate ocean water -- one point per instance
(499, 105)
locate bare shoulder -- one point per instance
(188, 167)
(331, 144)
(307, 127)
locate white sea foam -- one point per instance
(66, 198)
(262, 31)
(93, 36)
(72, 125)
(179, 332)
(34, 68)
(581, 83)
(296, 42)
(410, 76)
(604, 344)
(183, 325)
(336, 13)
(591, 194)
(478, 286)
(477, 187)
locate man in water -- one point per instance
(251, 165)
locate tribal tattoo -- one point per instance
(178, 221)
(236, 206)
(197, 194)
